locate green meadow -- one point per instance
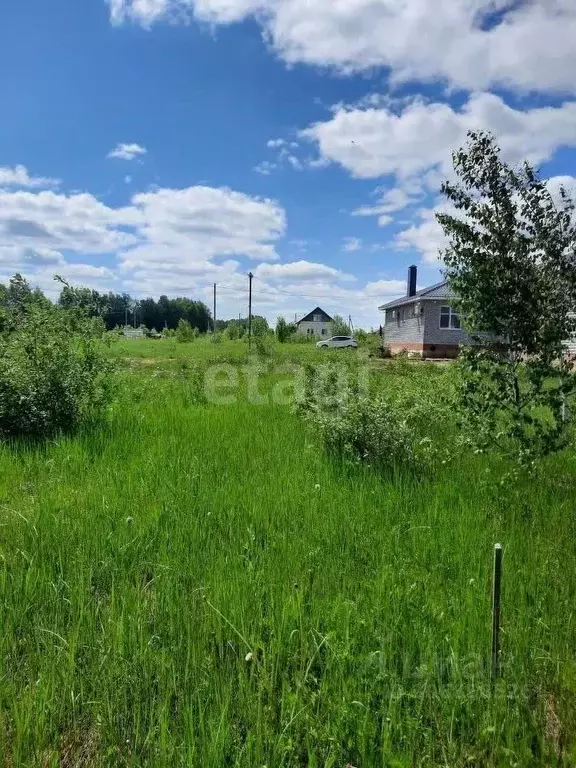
(198, 584)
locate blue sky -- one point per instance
(158, 146)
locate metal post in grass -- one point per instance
(496, 589)
(250, 276)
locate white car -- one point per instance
(338, 341)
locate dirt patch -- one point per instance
(149, 360)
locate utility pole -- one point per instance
(250, 276)
(125, 316)
(350, 323)
(214, 307)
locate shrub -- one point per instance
(185, 333)
(357, 426)
(371, 342)
(53, 375)
(284, 330)
(234, 330)
(339, 327)
(263, 345)
(302, 338)
(259, 326)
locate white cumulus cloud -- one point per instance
(557, 183)
(127, 151)
(425, 235)
(300, 271)
(390, 201)
(471, 44)
(202, 222)
(376, 142)
(78, 223)
(18, 176)
(352, 244)
(165, 241)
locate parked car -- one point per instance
(338, 341)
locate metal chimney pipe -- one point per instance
(412, 278)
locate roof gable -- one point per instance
(438, 291)
(318, 311)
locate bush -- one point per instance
(53, 376)
(260, 326)
(264, 345)
(284, 330)
(234, 331)
(358, 426)
(371, 342)
(339, 327)
(185, 333)
(302, 338)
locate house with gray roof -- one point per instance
(423, 323)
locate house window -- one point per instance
(449, 318)
(317, 318)
(324, 332)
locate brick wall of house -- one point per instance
(425, 350)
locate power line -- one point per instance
(279, 291)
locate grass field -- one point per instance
(200, 585)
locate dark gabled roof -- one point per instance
(308, 317)
(439, 291)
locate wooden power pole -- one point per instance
(214, 307)
(250, 276)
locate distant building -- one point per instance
(133, 333)
(316, 323)
(424, 323)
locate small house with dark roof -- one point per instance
(315, 323)
(423, 323)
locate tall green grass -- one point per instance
(204, 349)
(199, 585)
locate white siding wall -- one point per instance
(322, 330)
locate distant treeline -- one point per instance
(116, 309)
(119, 309)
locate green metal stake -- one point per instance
(496, 588)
